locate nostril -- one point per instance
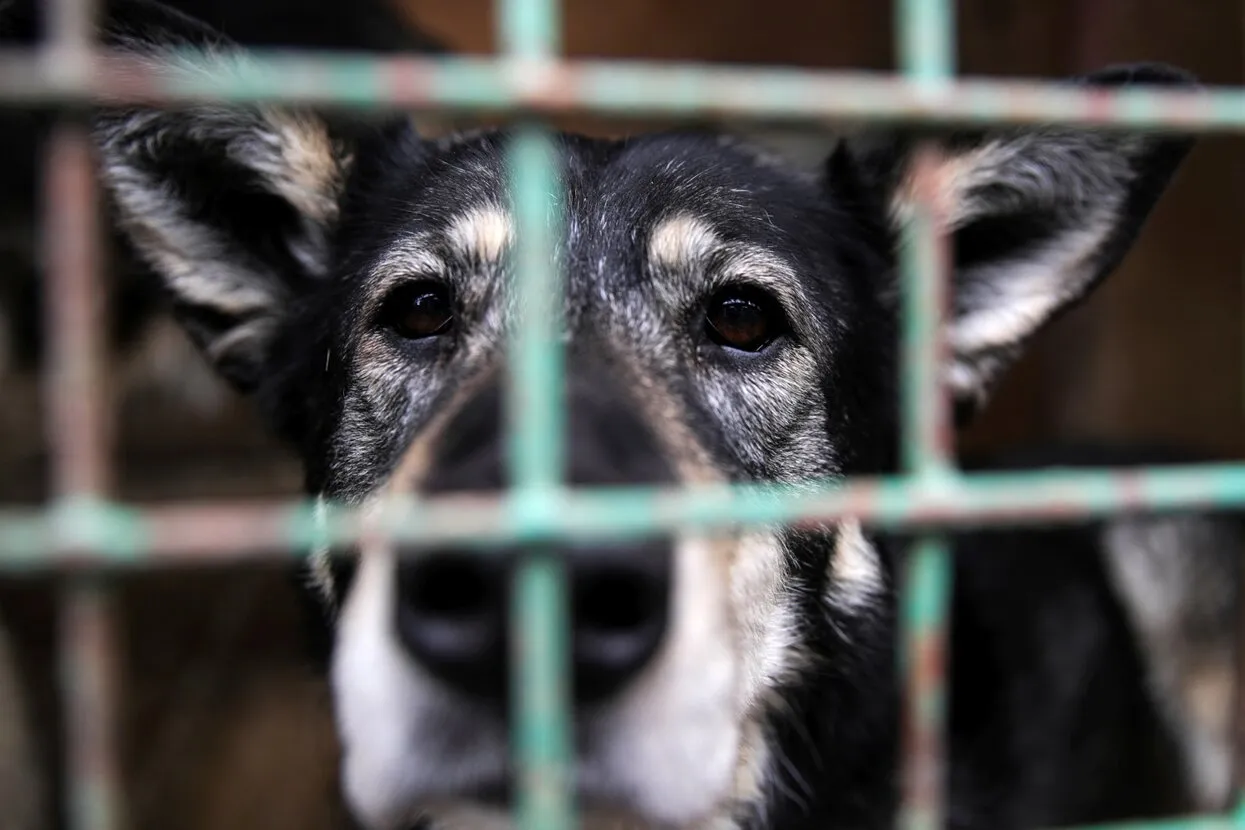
(619, 615)
(451, 617)
(449, 587)
(616, 603)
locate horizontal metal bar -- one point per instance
(611, 88)
(131, 536)
(1188, 823)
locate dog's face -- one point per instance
(707, 331)
(726, 318)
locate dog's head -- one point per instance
(727, 318)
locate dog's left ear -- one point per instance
(1038, 216)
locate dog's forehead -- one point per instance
(617, 189)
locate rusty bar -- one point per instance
(612, 88)
(125, 537)
(78, 424)
(925, 32)
(89, 679)
(1211, 822)
(541, 742)
(69, 26)
(1238, 711)
(926, 600)
(925, 265)
(79, 434)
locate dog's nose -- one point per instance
(454, 617)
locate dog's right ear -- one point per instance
(233, 207)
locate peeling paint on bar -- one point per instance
(925, 260)
(617, 88)
(207, 531)
(542, 728)
(541, 741)
(926, 599)
(79, 434)
(926, 46)
(1185, 823)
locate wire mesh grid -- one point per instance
(85, 533)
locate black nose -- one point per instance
(454, 617)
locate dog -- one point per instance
(728, 317)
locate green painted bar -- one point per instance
(129, 536)
(535, 379)
(926, 39)
(1189, 823)
(926, 598)
(529, 29)
(542, 742)
(615, 88)
(925, 30)
(923, 261)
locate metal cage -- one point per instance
(85, 533)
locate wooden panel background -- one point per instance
(224, 725)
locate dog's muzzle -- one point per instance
(454, 617)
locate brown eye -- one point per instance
(419, 310)
(744, 318)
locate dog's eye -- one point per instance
(744, 318)
(421, 309)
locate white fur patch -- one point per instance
(408, 257)
(766, 625)
(1015, 297)
(682, 241)
(856, 576)
(1172, 590)
(482, 234)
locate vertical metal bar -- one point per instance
(542, 726)
(926, 38)
(926, 50)
(924, 265)
(541, 697)
(536, 355)
(79, 424)
(923, 663)
(1238, 709)
(88, 677)
(78, 418)
(68, 24)
(1238, 702)
(530, 29)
